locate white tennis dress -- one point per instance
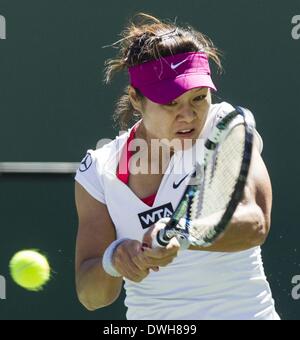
(198, 285)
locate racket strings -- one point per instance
(220, 178)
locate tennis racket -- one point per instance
(216, 187)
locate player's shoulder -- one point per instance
(219, 110)
(107, 149)
(104, 155)
(216, 112)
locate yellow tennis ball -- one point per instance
(30, 269)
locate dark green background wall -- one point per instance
(53, 107)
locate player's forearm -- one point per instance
(95, 288)
(248, 228)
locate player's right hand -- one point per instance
(160, 256)
(130, 261)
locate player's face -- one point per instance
(182, 119)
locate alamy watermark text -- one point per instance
(2, 27)
(296, 288)
(2, 288)
(296, 27)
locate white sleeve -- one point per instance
(260, 141)
(89, 175)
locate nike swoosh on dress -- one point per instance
(176, 185)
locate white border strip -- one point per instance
(39, 168)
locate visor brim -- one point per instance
(165, 91)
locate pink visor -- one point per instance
(167, 78)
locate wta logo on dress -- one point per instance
(2, 27)
(149, 217)
(296, 27)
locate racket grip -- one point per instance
(160, 240)
(155, 244)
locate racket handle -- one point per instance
(160, 241)
(155, 244)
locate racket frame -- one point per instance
(219, 132)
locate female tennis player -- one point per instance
(126, 189)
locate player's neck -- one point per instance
(158, 156)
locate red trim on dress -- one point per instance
(124, 165)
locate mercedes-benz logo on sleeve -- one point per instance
(86, 163)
